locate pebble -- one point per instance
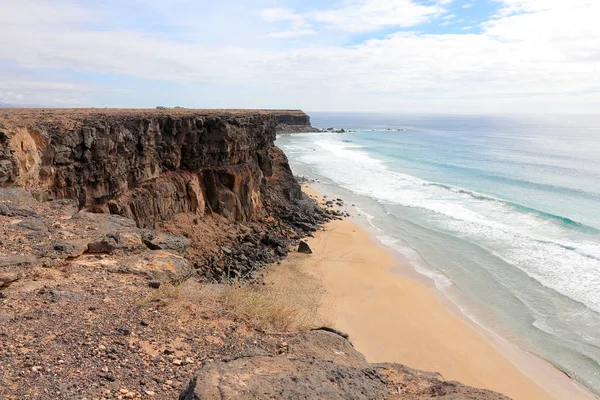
(124, 330)
(177, 362)
(150, 393)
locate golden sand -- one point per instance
(392, 318)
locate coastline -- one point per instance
(392, 317)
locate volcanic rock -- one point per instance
(304, 248)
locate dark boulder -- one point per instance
(162, 241)
(304, 248)
(107, 244)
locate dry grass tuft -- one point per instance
(260, 307)
(46, 273)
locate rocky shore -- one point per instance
(125, 236)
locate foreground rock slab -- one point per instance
(322, 365)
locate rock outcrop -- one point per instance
(293, 121)
(322, 365)
(185, 160)
(170, 170)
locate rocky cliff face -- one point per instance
(165, 169)
(148, 165)
(293, 121)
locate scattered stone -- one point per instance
(163, 267)
(10, 211)
(124, 330)
(162, 241)
(106, 245)
(226, 249)
(304, 248)
(7, 278)
(34, 224)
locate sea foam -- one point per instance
(531, 240)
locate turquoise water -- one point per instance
(503, 210)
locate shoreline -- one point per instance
(393, 314)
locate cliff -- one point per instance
(96, 156)
(293, 121)
(215, 160)
(116, 227)
(165, 169)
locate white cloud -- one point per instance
(518, 6)
(279, 14)
(298, 25)
(372, 15)
(546, 54)
(291, 33)
(359, 15)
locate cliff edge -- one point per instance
(171, 170)
(293, 121)
(126, 237)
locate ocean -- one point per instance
(502, 213)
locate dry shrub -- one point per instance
(264, 308)
(164, 294)
(260, 307)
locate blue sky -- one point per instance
(348, 55)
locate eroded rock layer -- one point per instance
(211, 160)
(167, 170)
(293, 121)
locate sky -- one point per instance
(423, 56)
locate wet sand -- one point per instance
(392, 318)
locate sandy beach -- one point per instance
(392, 318)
